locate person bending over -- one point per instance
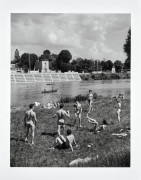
(61, 113)
(62, 142)
(77, 112)
(92, 121)
(30, 122)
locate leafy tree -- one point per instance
(64, 57)
(109, 65)
(65, 67)
(16, 57)
(29, 60)
(103, 65)
(53, 57)
(127, 64)
(97, 65)
(127, 50)
(53, 65)
(45, 56)
(118, 66)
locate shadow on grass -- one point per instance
(16, 139)
(49, 134)
(68, 124)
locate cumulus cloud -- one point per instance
(84, 35)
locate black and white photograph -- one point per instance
(70, 89)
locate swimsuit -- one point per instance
(30, 121)
(61, 120)
(77, 109)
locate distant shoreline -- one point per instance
(104, 76)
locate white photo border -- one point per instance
(69, 6)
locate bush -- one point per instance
(77, 98)
(85, 76)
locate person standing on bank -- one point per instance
(30, 122)
(61, 113)
(90, 101)
(77, 113)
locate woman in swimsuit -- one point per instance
(77, 112)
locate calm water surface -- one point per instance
(23, 94)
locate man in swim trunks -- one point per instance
(90, 101)
(77, 112)
(66, 142)
(61, 118)
(30, 122)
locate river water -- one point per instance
(24, 94)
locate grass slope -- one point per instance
(112, 151)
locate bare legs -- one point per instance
(90, 106)
(32, 126)
(118, 114)
(79, 117)
(59, 129)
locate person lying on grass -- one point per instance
(67, 142)
(92, 121)
(30, 122)
(77, 113)
(61, 118)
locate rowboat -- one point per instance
(49, 91)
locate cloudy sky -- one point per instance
(89, 36)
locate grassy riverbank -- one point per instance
(112, 151)
(104, 76)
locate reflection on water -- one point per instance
(23, 94)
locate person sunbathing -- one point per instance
(67, 142)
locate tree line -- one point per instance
(63, 61)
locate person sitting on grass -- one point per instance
(103, 125)
(121, 96)
(50, 105)
(62, 142)
(77, 113)
(61, 118)
(30, 122)
(93, 121)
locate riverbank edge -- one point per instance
(104, 76)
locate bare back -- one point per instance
(61, 114)
(71, 139)
(90, 97)
(30, 116)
